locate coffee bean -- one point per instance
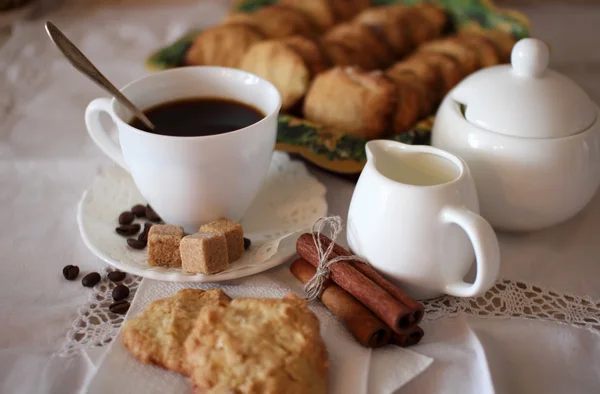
(139, 210)
(128, 229)
(91, 279)
(247, 243)
(151, 215)
(136, 243)
(126, 218)
(120, 292)
(119, 307)
(116, 276)
(143, 237)
(70, 272)
(147, 226)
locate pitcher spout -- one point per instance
(412, 165)
(377, 148)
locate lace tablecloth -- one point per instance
(537, 330)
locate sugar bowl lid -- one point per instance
(526, 99)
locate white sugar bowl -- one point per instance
(530, 136)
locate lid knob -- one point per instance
(530, 57)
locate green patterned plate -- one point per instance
(332, 149)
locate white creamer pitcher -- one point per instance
(415, 216)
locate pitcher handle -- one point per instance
(98, 132)
(487, 251)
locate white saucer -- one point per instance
(291, 200)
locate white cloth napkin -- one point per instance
(353, 368)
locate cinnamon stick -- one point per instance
(369, 272)
(409, 339)
(367, 328)
(394, 313)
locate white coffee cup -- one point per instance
(414, 216)
(190, 181)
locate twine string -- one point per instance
(314, 286)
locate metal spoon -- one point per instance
(83, 64)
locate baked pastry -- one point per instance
(503, 41)
(345, 10)
(223, 45)
(412, 101)
(341, 55)
(426, 98)
(464, 55)
(311, 51)
(388, 25)
(435, 15)
(364, 41)
(241, 18)
(258, 346)
(421, 69)
(276, 21)
(157, 335)
(419, 29)
(319, 11)
(450, 70)
(487, 54)
(282, 66)
(357, 102)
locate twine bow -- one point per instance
(314, 286)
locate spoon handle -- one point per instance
(83, 64)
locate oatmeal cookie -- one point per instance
(156, 336)
(258, 346)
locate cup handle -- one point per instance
(487, 251)
(99, 134)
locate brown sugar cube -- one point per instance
(163, 245)
(204, 253)
(233, 232)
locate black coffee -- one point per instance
(193, 117)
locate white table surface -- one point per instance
(47, 160)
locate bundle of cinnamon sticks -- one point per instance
(374, 310)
